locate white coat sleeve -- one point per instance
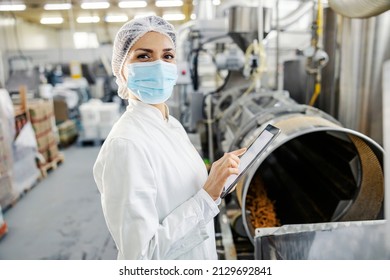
(125, 178)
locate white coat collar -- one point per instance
(148, 109)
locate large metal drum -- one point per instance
(315, 171)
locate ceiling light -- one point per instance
(216, 2)
(116, 18)
(7, 8)
(169, 3)
(95, 5)
(174, 17)
(92, 19)
(62, 6)
(52, 20)
(132, 4)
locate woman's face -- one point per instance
(150, 47)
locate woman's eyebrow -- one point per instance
(145, 50)
(151, 51)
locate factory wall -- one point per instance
(46, 45)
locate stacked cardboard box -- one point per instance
(61, 111)
(41, 117)
(68, 132)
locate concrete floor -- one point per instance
(61, 217)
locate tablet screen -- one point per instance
(249, 157)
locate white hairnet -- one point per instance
(126, 37)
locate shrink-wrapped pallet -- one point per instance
(89, 113)
(7, 194)
(97, 119)
(25, 152)
(7, 130)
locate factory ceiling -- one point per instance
(77, 12)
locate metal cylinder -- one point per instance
(244, 24)
(359, 8)
(315, 171)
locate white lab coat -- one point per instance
(151, 181)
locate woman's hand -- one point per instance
(220, 171)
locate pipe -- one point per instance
(277, 41)
(359, 8)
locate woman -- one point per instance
(157, 198)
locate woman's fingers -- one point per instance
(232, 170)
(232, 159)
(238, 152)
(230, 162)
(234, 155)
(221, 170)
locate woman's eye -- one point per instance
(143, 56)
(169, 56)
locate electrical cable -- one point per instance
(318, 45)
(257, 49)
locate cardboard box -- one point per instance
(61, 111)
(42, 120)
(67, 132)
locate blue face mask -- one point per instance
(152, 82)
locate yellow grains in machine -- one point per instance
(262, 209)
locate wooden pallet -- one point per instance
(52, 165)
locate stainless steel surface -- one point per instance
(244, 25)
(315, 171)
(297, 81)
(230, 252)
(352, 80)
(365, 45)
(386, 141)
(204, 9)
(362, 240)
(359, 8)
(326, 166)
(328, 99)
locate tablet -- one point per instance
(249, 157)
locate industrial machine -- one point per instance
(326, 167)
